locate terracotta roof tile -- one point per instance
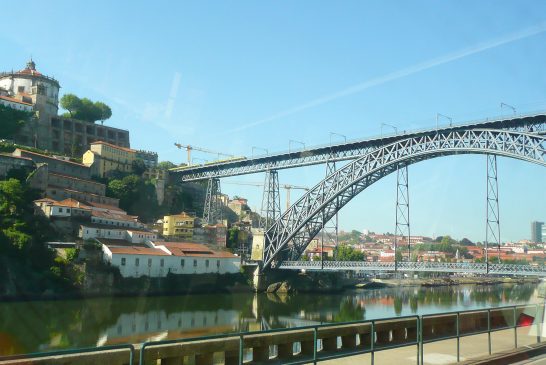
(135, 250)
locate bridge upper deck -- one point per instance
(535, 123)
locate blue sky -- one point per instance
(231, 75)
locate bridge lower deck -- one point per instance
(445, 267)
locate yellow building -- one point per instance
(104, 157)
(178, 225)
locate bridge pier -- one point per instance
(271, 203)
(212, 211)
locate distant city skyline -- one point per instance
(228, 77)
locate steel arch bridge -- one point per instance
(287, 238)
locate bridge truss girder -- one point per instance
(344, 151)
(452, 267)
(305, 218)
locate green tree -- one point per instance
(136, 195)
(165, 165)
(233, 237)
(105, 111)
(348, 253)
(12, 121)
(71, 103)
(85, 109)
(398, 256)
(138, 167)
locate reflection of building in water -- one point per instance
(141, 326)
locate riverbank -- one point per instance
(446, 281)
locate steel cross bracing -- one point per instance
(492, 228)
(450, 267)
(271, 201)
(212, 211)
(535, 123)
(331, 228)
(402, 228)
(305, 218)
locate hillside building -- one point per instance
(179, 225)
(157, 259)
(30, 90)
(104, 158)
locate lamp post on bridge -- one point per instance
(504, 105)
(339, 135)
(388, 125)
(438, 115)
(259, 148)
(291, 141)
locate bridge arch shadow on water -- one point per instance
(305, 218)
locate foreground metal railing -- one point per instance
(313, 344)
(453, 267)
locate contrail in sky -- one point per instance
(522, 34)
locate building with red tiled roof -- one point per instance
(31, 89)
(162, 258)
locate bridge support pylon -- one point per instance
(492, 230)
(212, 211)
(271, 203)
(331, 228)
(402, 228)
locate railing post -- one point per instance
(372, 340)
(538, 323)
(241, 351)
(515, 329)
(315, 344)
(458, 338)
(489, 329)
(422, 345)
(417, 341)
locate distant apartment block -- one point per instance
(536, 231)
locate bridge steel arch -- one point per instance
(288, 237)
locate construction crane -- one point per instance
(189, 148)
(286, 187)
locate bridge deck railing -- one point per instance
(453, 267)
(311, 344)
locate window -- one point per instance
(60, 210)
(123, 261)
(182, 262)
(20, 89)
(68, 210)
(217, 263)
(206, 263)
(149, 262)
(137, 262)
(162, 262)
(194, 263)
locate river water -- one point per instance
(49, 325)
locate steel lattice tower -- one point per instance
(271, 203)
(402, 210)
(331, 227)
(213, 205)
(492, 232)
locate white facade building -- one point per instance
(162, 258)
(112, 218)
(15, 104)
(134, 236)
(91, 231)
